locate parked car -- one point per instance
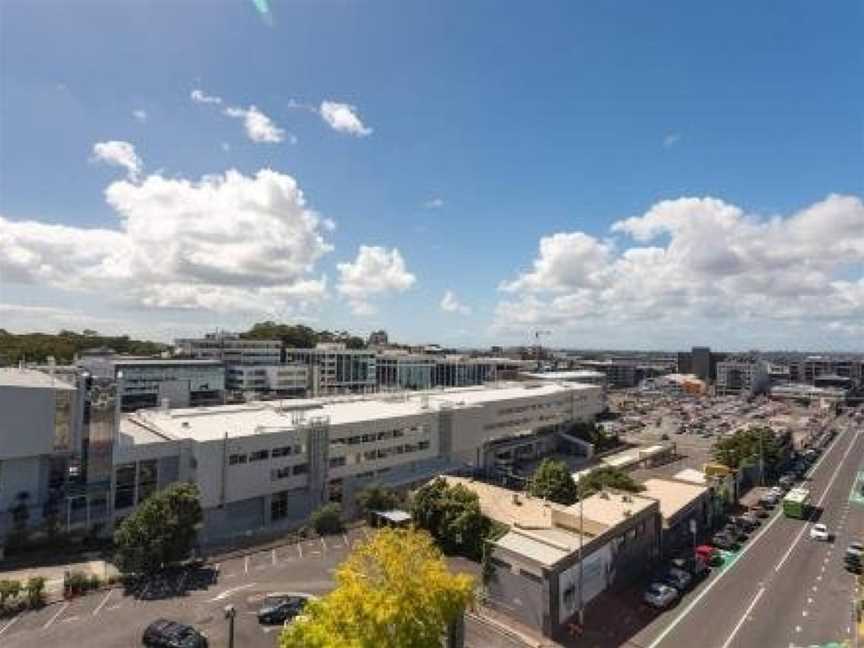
(760, 512)
(820, 532)
(722, 540)
(279, 608)
(677, 578)
(748, 521)
(708, 554)
(737, 533)
(693, 565)
(171, 634)
(659, 595)
(854, 557)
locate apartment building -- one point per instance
(264, 465)
(744, 377)
(289, 380)
(335, 369)
(230, 349)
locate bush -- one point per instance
(9, 589)
(327, 519)
(75, 583)
(35, 591)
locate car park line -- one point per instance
(10, 623)
(230, 591)
(102, 604)
(57, 614)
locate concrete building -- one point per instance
(584, 376)
(289, 380)
(619, 373)
(230, 349)
(745, 377)
(335, 369)
(463, 371)
(266, 465)
(674, 384)
(147, 382)
(402, 370)
(535, 566)
(809, 369)
(685, 509)
(701, 362)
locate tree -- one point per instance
(327, 519)
(607, 477)
(376, 498)
(394, 591)
(35, 589)
(552, 481)
(162, 531)
(744, 447)
(452, 515)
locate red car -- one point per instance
(709, 554)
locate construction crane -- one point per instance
(539, 347)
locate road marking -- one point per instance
(747, 548)
(345, 538)
(116, 606)
(229, 576)
(273, 557)
(72, 618)
(50, 621)
(229, 592)
(300, 549)
(797, 628)
(246, 565)
(818, 504)
(102, 604)
(744, 618)
(10, 624)
(323, 544)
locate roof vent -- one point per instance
(185, 424)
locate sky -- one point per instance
(619, 174)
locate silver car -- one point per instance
(659, 595)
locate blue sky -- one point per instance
(521, 121)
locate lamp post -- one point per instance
(581, 598)
(230, 613)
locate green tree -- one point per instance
(377, 498)
(35, 590)
(744, 447)
(327, 519)
(9, 589)
(607, 477)
(160, 532)
(452, 515)
(552, 481)
(394, 591)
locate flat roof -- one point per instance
(167, 362)
(30, 378)
(673, 496)
(566, 375)
(611, 508)
(532, 548)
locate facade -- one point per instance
(267, 465)
(808, 369)
(536, 566)
(282, 379)
(149, 382)
(701, 362)
(335, 369)
(619, 373)
(584, 376)
(685, 509)
(462, 371)
(742, 377)
(230, 349)
(675, 384)
(396, 371)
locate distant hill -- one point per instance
(37, 347)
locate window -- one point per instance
(284, 451)
(235, 459)
(259, 455)
(370, 455)
(124, 492)
(301, 469)
(423, 445)
(299, 448)
(335, 462)
(279, 506)
(280, 473)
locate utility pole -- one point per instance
(230, 613)
(581, 531)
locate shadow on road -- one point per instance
(171, 583)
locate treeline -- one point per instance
(300, 336)
(37, 347)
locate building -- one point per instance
(675, 384)
(808, 369)
(41, 423)
(463, 371)
(378, 339)
(826, 397)
(230, 349)
(701, 362)
(536, 567)
(335, 369)
(619, 373)
(401, 370)
(745, 377)
(148, 382)
(267, 465)
(584, 376)
(685, 509)
(289, 380)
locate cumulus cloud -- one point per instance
(259, 127)
(225, 243)
(198, 96)
(118, 153)
(140, 115)
(343, 117)
(450, 304)
(435, 203)
(698, 259)
(375, 271)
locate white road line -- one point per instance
(818, 504)
(231, 591)
(246, 565)
(72, 618)
(300, 549)
(345, 538)
(50, 621)
(323, 544)
(102, 604)
(744, 617)
(228, 576)
(273, 557)
(10, 624)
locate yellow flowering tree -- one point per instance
(394, 591)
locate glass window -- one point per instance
(284, 451)
(259, 455)
(280, 473)
(124, 492)
(335, 462)
(301, 469)
(279, 506)
(147, 479)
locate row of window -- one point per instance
(511, 423)
(263, 455)
(288, 471)
(380, 436)
(534, 406)
(379, 453)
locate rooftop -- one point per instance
(585, 374)
(673, 496)
(14, 377)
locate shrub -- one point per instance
(75, 583)
(35, 591)
(327, 519)
(9, 589)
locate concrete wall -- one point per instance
(26, 422)
(520, 594)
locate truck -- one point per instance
(796, 503)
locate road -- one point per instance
(783, 588)
(110, 619)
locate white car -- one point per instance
(819, 532)
(659, 595)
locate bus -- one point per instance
(796, 503)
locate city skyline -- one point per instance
(446, 176)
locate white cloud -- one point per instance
(117, 153)
(671, 140)
(375, 271)
(435, 203)
(695, 260)
(259, 127)
(450, 304)
(198, 96)
(226, 243)
(140, 115)
(343, 117)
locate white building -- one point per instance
(335, 369)
(280, 379)
(261, 464)
(231, 349)
(585, 376)
(745, 377)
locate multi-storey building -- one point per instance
(404, 371)
(745, 377)
(335, 369)
(280, 380)
(231, 349)
(269, 464)
(807, 370)
(462, 371)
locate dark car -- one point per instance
(761, 512)
(723, 541)
(854, 557)
(693, 565)
(279, 608)
(171, 634)
(750, 519)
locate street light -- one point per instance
(230, 613)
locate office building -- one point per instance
(289, 380)
(265, 465)
(335, 369)
(463, 371)
(230, 349)
(807, 370)
(701, 363)
(584, 376)
(401, 370)
(745, 377)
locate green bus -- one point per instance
(796, 503)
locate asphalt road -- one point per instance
(783, 589)
(111, 619)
